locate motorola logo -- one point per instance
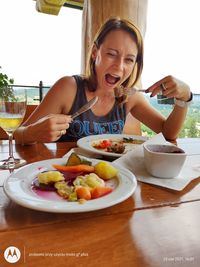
(12, 254)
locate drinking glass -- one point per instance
(12, 110)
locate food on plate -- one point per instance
(83, 192)
(65, 191)
(105, 170)
(75, 168)
(77, 182)
(50, 177)
(74, 159)
(133, 140)
(100, 191)
(116, 148)
(116, 145)
(92, 180)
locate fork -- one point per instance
(123, 92)
(128, 91)
(131, 91)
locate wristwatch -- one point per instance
(182, 103)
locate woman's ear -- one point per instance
(94, 52)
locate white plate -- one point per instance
(18, 188)
(86, 143)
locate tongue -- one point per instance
(110, 79)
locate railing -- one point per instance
(35, 93)
(191, 126)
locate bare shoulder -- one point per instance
(63, 92)
(66, 83)
(58, 100)
(135, 100)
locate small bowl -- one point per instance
(163, 161)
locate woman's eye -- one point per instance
(111, 54)
(129, 60)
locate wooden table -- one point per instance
(154, 227)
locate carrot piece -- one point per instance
(83, 193)
(100, 191)
(76, 168)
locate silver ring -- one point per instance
(163, 87)
(62, 132)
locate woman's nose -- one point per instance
(120, 63)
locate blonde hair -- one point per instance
(111, 25)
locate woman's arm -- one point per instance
(171, 126)
(48, 121)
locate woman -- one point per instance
(115, 61)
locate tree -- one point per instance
(6, 89)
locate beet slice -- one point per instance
(44, 187)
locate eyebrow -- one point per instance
(129, 55)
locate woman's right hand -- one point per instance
(47, 129)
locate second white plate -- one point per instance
(86, 143)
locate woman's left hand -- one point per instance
(171, 87)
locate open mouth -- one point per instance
(112, 79)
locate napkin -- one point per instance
(134, 161)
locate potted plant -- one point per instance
(6, 83)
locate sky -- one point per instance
(35, 46)
(172, 43)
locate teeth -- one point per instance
(116, 76)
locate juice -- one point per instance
(11, 122)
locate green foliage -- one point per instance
(4, 80)
(6, 89)
(191, 127)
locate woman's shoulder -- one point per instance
(65, 81)
(137, 99)
(71, 82)
(65, 86)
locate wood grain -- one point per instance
(154, 227)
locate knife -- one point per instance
(86, 107)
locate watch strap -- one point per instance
(182, 103)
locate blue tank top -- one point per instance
(88, 123)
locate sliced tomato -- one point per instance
(105, 143)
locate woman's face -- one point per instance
(115, 59)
